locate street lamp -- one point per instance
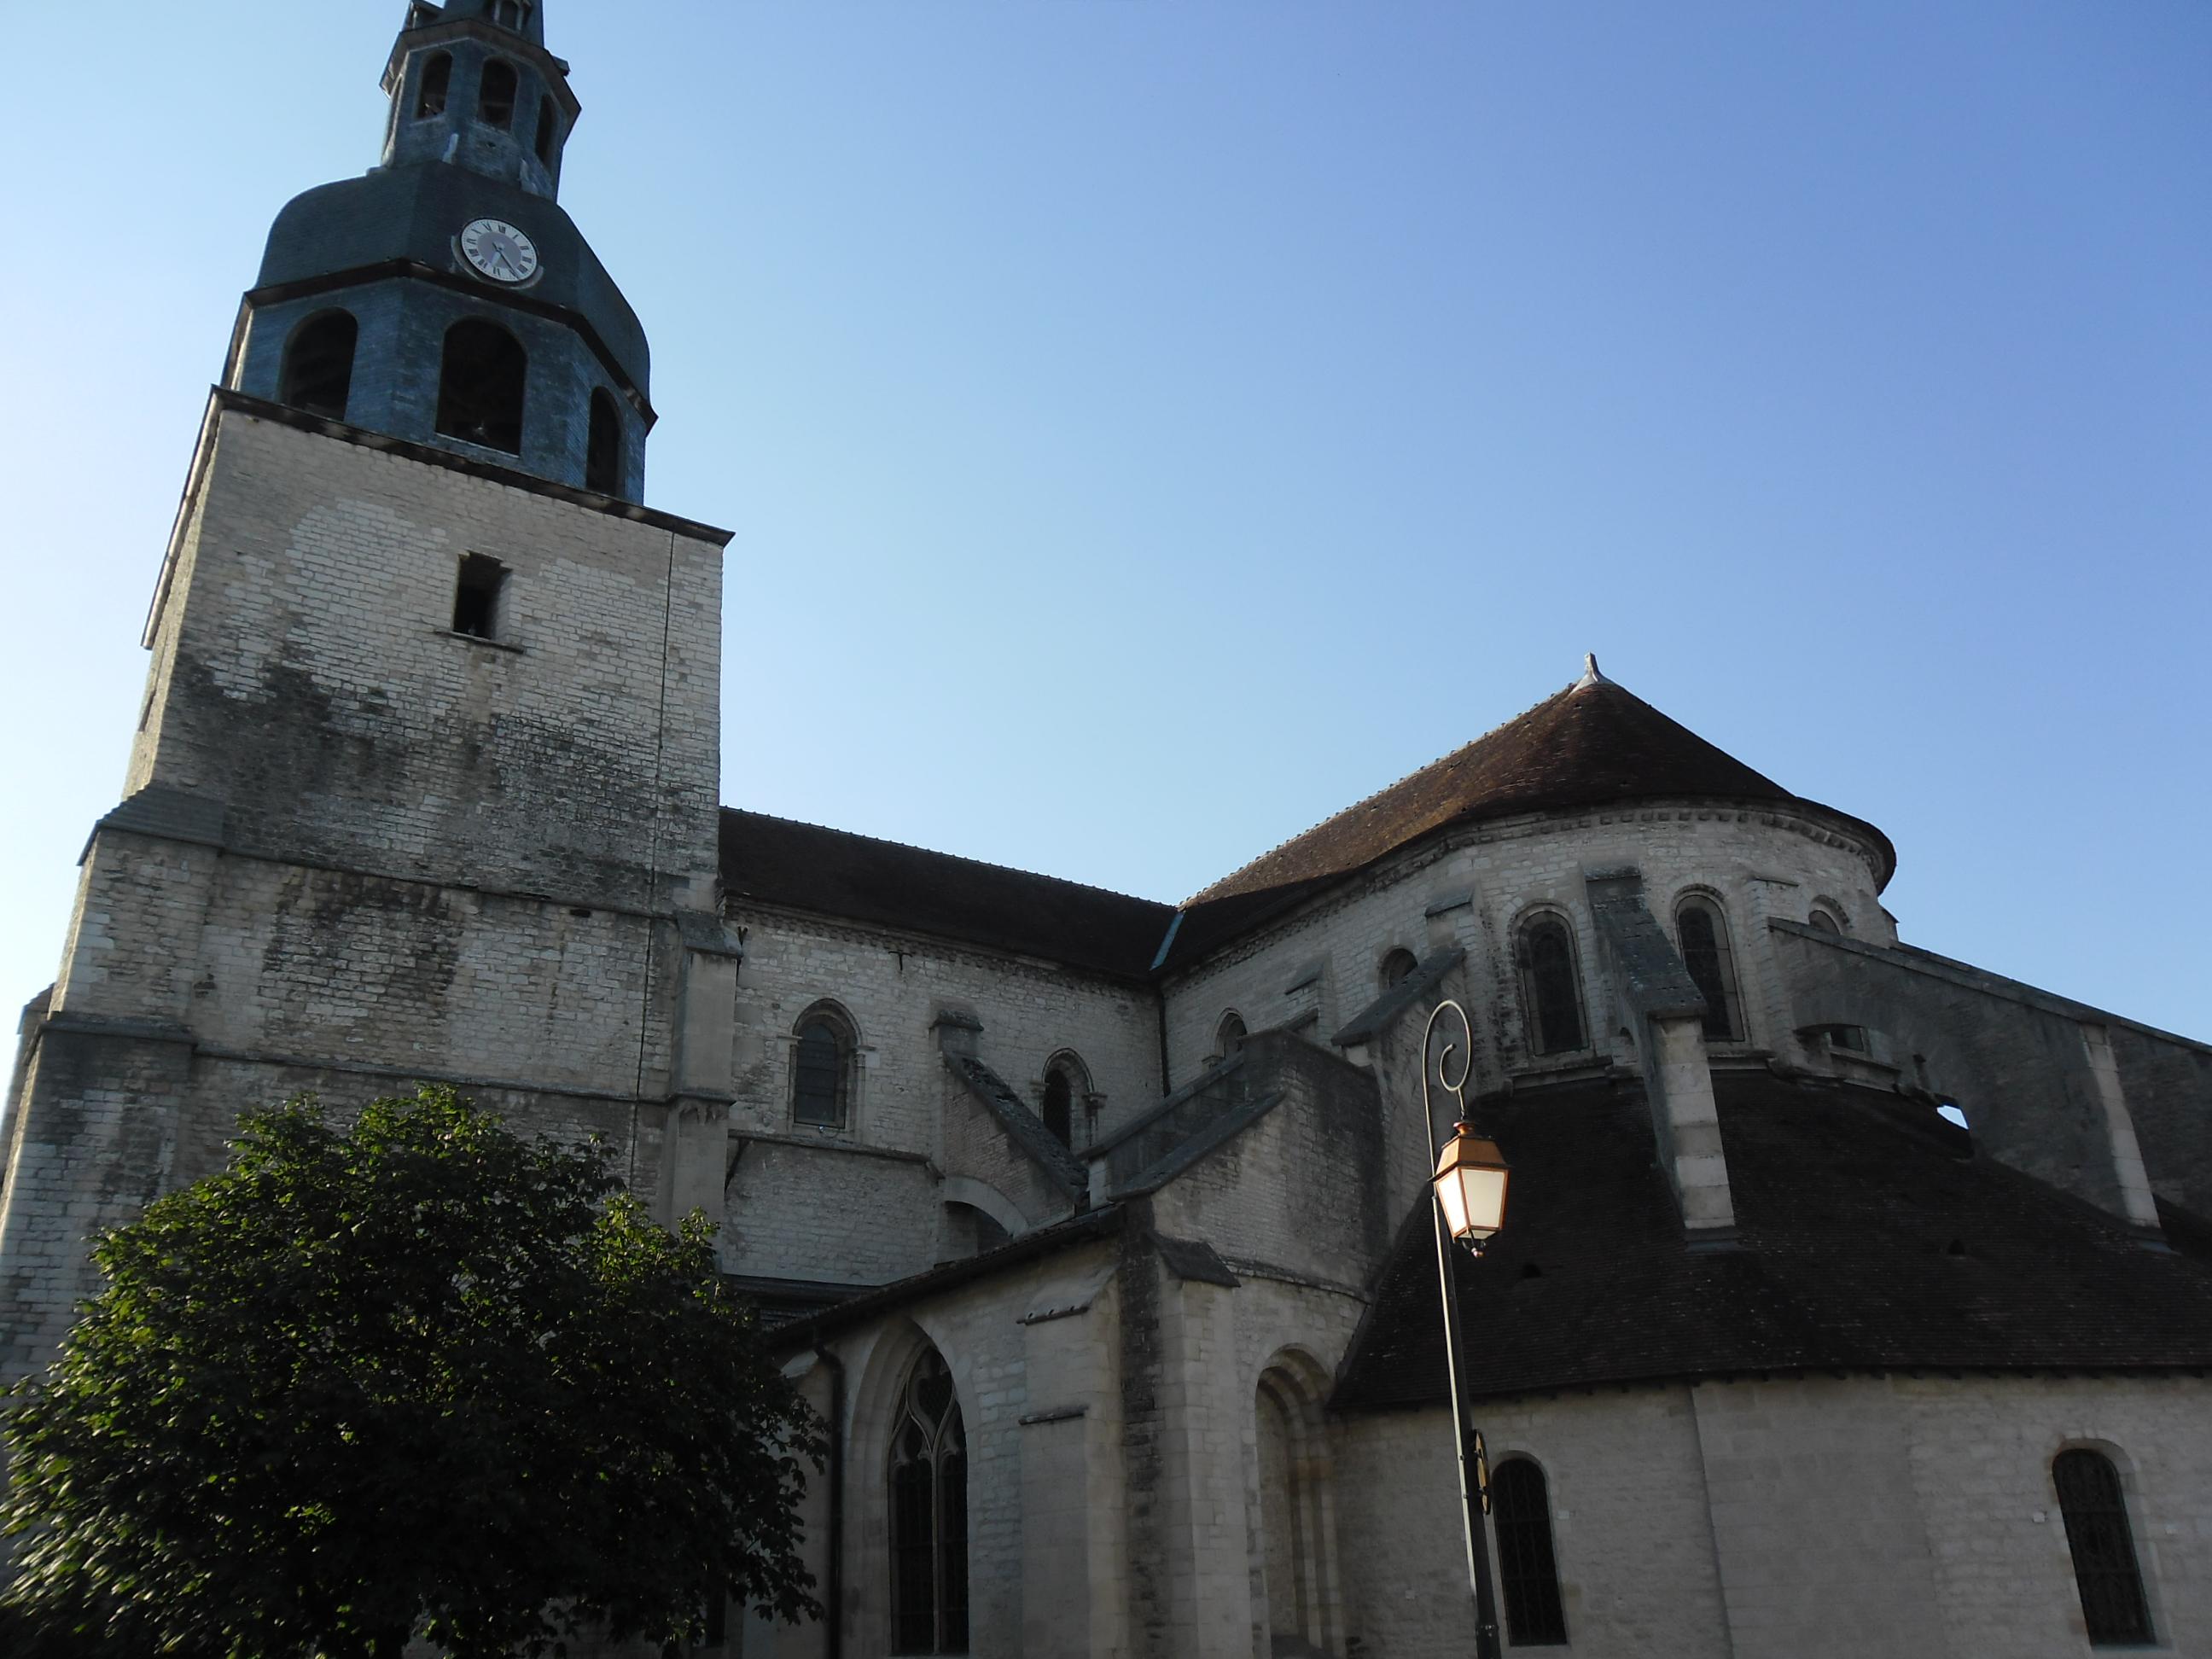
(1468, 1200)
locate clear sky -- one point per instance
(1152, 425)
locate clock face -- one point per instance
(499, 250)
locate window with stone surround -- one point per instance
(1703, 932)
(823, 1053)
(1397, 968)
(2106, 1571)
(928, 1501)
(1527, 1569)
(1551, 986)
(478, 597)
(1827, 919)
(1229, 1036)
(1067, 1085)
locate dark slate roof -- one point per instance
(1593, 745)
(1850, 1205)
(802, 867)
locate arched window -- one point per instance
(822, 1069)
(510, 14)
(495, 104)
(2104, 1548)
(1398, 967)
(480, 388)
(1229, 1036)
(1551, 987)
(1529, 1573)
(928, 1480)
(1058, 1113)
(318, 375)
(603, 451)
(1827, 920)
(1704, 934)
(437, 83)
(547, 131)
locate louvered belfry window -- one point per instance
(2097, 1532)
(929, 1516)
(1521, 1504)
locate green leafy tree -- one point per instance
(413, 1377)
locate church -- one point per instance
(1850, 1300)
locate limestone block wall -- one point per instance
(1474, 887)
(306, 674)
(2021, 1064)
(1301, 1191)
(1795, 1519)
(892, 986)
(1033, 1360)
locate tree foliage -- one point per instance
(416, 1376)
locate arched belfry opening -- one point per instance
(318, 372)
(1295, 1599)
(481, 385)
(602, 449)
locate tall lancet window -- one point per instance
(1704, 933)
(2095, 1508)
(929, 1516)
(1551, 987)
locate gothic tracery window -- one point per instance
(929, 1481)
(2103, 1545)
(1704, 934)
(1551, 987)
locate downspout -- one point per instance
(833, 1577)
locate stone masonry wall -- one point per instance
(1759, 864)
(892, 986)
(1795, 1519)
(306, 674)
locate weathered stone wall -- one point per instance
(2020, 1062)
(371, 853)
(1474, 887)
(307, 678)
(1795, 1519)
(893, 985)
(1301, 1191)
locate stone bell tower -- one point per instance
(425, 786)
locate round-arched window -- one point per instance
(1397, 968)
(822, 1069)
(1551, 987)
(481, 385)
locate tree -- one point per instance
(414, 1376)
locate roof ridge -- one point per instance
(938, 853)
(1405, 778)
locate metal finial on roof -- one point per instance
(1590, 674)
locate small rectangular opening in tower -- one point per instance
(476, 601)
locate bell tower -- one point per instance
(445, 297)
(426, 784)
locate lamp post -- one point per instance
(1468, 1198)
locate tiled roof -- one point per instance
(802, 867)
(1867, 1241)
(1591, 745)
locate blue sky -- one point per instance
(1151, 425)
